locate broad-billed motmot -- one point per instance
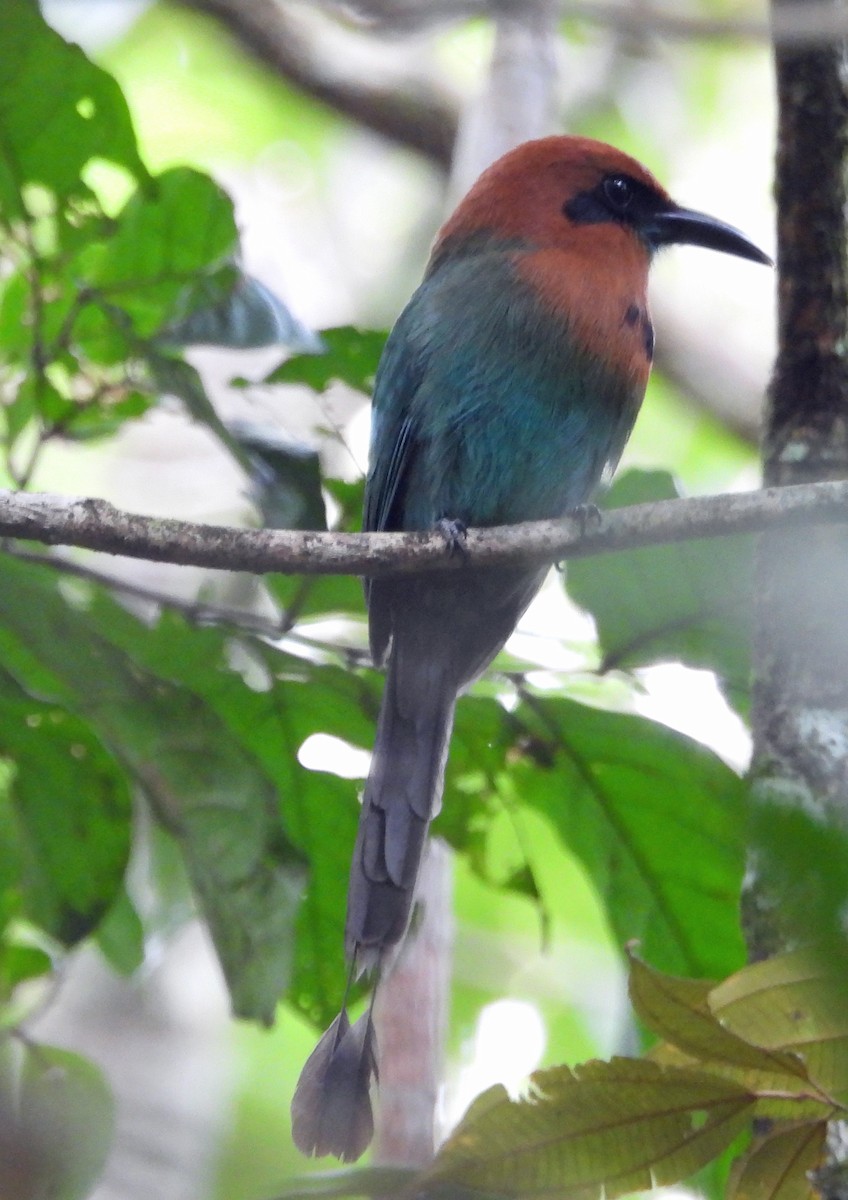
(507, 388)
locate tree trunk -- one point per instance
(800, 702)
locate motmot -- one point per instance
(506, 391)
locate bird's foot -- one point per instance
(455, 534)
(588, 517)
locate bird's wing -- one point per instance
(393, 424)
(394, 435)
(386, 477)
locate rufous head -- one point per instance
(562, 192)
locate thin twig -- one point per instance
(196, 612)
(98, 525)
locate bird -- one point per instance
(506, 392)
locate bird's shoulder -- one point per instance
(472, 307)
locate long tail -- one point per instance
(331, 1110)
(402, 795)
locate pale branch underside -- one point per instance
(95, 524)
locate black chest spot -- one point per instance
(635, 318)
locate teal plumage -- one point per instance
(507, 388)
(518, 388)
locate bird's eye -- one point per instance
(618, 192)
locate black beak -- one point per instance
(681, 226)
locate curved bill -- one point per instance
(682, 226)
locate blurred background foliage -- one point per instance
(172, 244)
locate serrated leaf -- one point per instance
(777, 1166)
(689, 601)
(350, 356)
(603, 1129)
(778, 1097)
(678, 1010)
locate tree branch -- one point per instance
(419, 118)
(97, 525)
(806, 22)
(800, 22)
(415, 116)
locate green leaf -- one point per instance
(49, 133)
(206, 784)
(678, 1010)
(688, 602)
(805, 862)
(91, 291)
(317, 811)
(183, 225)
(778, 1165)
(120, 936)
(88, 423)
(793, 1002)
(21, 411)
(304, 596)
(102, 334)
(212, 728)
(350, 356)
(67, 814)
(66, 1116)
(19, 963)
(165, 247)
(15, 326)
(36, 396)
(603, 1129)
(655, 818)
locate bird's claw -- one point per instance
(587, 516)
(455, 534)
